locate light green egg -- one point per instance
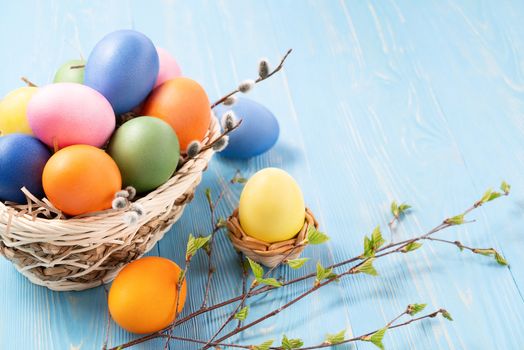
(68, 74)
(147, 152)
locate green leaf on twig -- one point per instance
(314, 236)
(242, 314)
(446, 315)
(208, 195)
(411, 247)
(491, 252)
(238, 178)
(489, 195)
(455, 220)
(394, 209)
(398, 210)
(367, 267)
(500, 259)
(245, 265)
(207, 247)
(414, 309)
(373, 243)
(337, 338)
(297, 263)
(290, 344)
(368, 248)
(269, 282)
(194, 244)
(376, 338)
(404, 207)
(258, 270)
(181, 278)
(264, 346)
(484, 251)
(376, 237)
(504, 187)
(323, 273)
(221, 222)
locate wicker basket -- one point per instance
(84, 252)
(268, 254)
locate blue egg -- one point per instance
(257, 134)
(123, 67)
(22, 161)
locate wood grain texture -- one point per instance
(415, 101)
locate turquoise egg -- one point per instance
(257, 134)
(147, 152)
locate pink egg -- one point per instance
(69, 114)
(169, 68)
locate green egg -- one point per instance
(66, 74)
(147, 151)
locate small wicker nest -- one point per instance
(268, 254)
(86, 251)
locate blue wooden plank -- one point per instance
(380, 101)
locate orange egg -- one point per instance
(80, 179)
(143, 297)
(183, 104)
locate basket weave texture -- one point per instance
(268, 254)
(83, 252)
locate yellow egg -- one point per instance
(13, 107)
(271, 206)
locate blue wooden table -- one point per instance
(420, 102)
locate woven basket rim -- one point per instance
(83, 252)
(269, 254)
(179, 176)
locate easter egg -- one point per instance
(183, 104)
(271, 207)
(65, 114)
(80, 179)
(123, 67)
(147, 152)
(66, 74)
(168, 67)
(13, 111)
(257, 134)
(22, 160)
(144, 295)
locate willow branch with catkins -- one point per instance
(374, 248)
(247, 85)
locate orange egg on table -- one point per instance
(184, 104)
(144, 295)
(80, 179)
